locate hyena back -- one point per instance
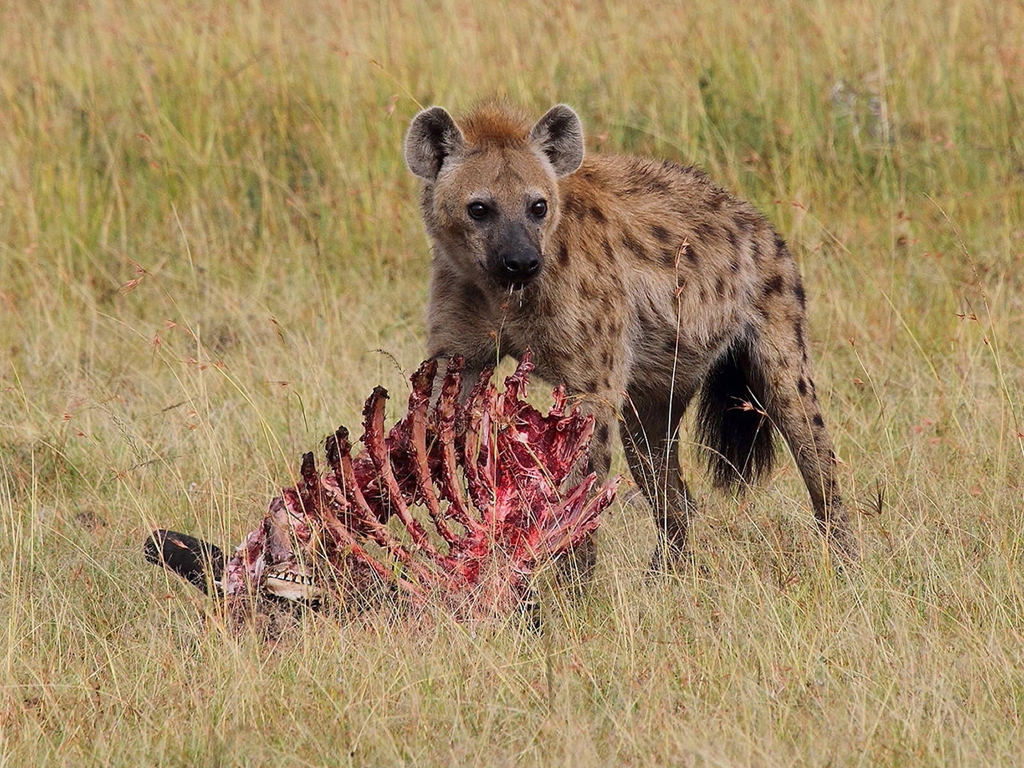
(636, 283)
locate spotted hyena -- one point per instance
(639, 284)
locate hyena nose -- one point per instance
(520, 266)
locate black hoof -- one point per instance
(196, 561)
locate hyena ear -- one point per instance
(559, 135)
(432, 136)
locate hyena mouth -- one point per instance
(513, 287)
(515, 282)
(517, 269)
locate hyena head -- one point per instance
(490, 187)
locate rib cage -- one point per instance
(485, 492)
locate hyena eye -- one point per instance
(477, 211)
(539, 209)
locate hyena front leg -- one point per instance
(576, 567)
(600, 399)
(649, 431)
(792, 406)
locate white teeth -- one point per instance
(291, 585)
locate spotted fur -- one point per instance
(652, 286)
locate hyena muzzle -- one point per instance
(638, 284)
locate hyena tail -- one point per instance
(732, 426)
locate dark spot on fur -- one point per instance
(659, 186)
(705, 230)
(660, 234)
(606, 359)
(691, 253)
(781, 253)
(818, 421)
(644, 179)
(801, 295)
(734, 264)
(801, 387)
(573, 207)
(597, 214)
(772, 286)
(602, 433)
(563, 254)
(632, 245)
(730, 233)
(608, 252)
(590, 386)
(799, 331)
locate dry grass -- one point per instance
(206, 232)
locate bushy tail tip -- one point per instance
(732, 428)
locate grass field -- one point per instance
(210, 252)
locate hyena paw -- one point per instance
(845, 546)
(574, 569)
(670, 560)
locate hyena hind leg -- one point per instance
(649, 431)
(792, 406)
